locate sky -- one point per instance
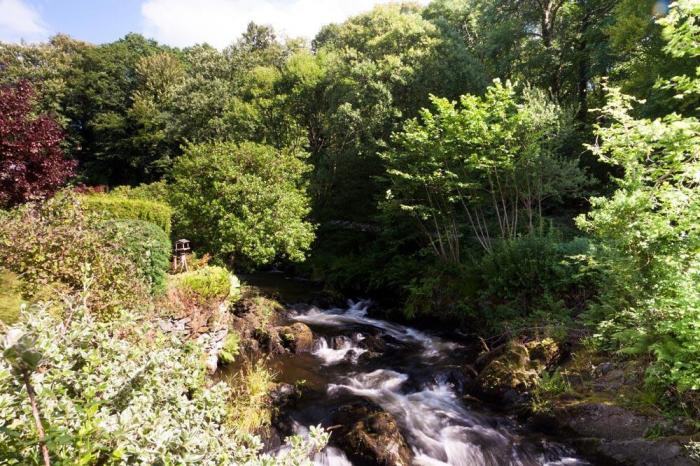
(174, 22)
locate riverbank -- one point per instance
(362, 378)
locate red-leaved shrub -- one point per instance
(32, 164)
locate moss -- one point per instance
(511, 369)
(545, 351)
(10, 297)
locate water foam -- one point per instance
(356, 314)
(347, 351)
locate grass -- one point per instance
(249, 407)
(549, 387)
(10, 297)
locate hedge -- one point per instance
(121, 208)
(147, 246)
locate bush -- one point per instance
(528, 281)
(57, 245)
(534, 272)
(147, 246)
(206, 284)
(118, 393)
(244, 202)
(122, 208)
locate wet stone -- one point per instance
(371, 436)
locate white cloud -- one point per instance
(20, 21)
(220, 22)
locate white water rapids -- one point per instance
(438, 426)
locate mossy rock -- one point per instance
(371, 436)
(511, 369)
(297, 337)
(545, 351)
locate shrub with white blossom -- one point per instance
(119, 392)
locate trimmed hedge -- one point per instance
(157, 191)
(122, 208)
(147, 246)
(55, 245)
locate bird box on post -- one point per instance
(182, 248)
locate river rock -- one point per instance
(370, 435)
(339, 341)
(298, 337)
(637, 452)
(605, 421)
(373, 343)
(612, 434)
(284, 394)
(507, 371)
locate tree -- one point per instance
(649, 229)
(32, 164)
(151, 114)
(487, 165)
(243, 202)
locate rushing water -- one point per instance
(412, 378)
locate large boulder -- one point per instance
(602, 420)
(369, 435)
(297, 337)
(612, 434)
(506, 369)
(638, 451)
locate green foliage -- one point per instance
(649, 229)
(147, 246)
(249, 407)
(245, 202)
(117, 207)
(156, 191)
(206, 284)
(550, 385)
(534, 281)
(231, 347)
(10, 297)
(536, 275)
(115, 393)
(57, 245)
(486, 166)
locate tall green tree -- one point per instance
(487, 167)
(649, 229)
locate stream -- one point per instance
(411, 375)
